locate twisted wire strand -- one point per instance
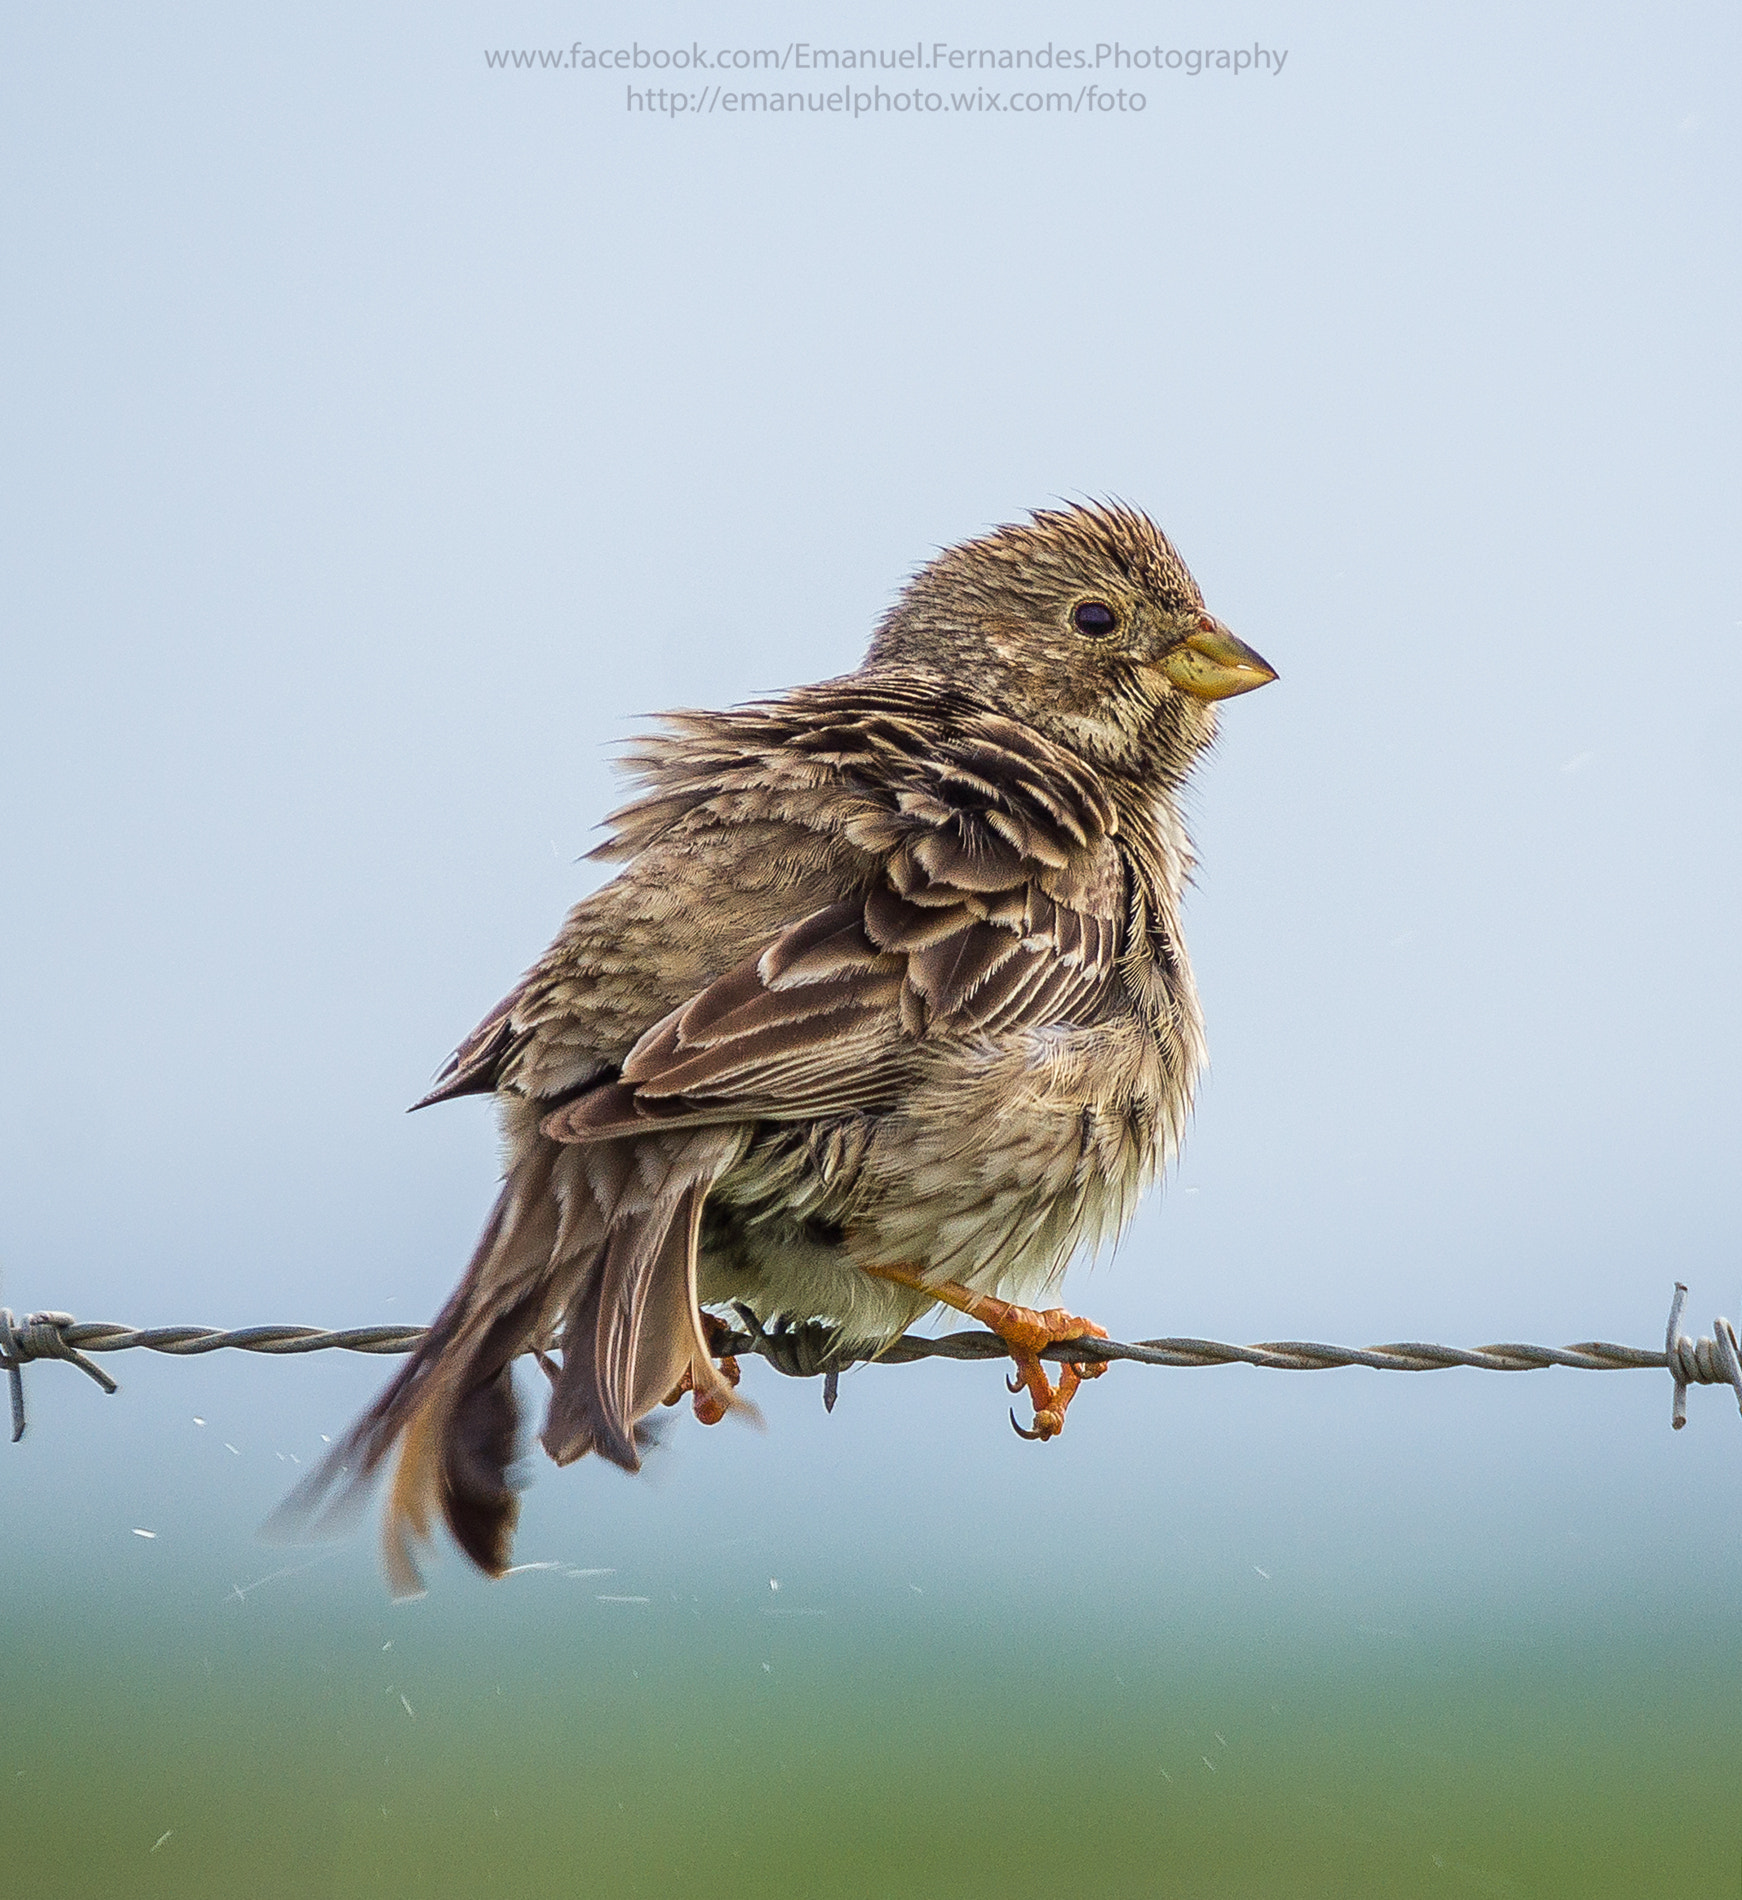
(812, 1351)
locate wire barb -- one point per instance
(40, 1336)
(813, 1350)
(1713, 1361)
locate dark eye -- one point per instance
(1094, 618)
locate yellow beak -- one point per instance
(1212, 663)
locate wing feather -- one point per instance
(983, 891)
(475, 1067)
(972, 929)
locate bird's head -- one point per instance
(1082, 622)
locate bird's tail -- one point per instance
(590, 1249)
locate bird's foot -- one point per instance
(709, 1407)
(1026, 1331)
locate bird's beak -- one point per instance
(1212, 663)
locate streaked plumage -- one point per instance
(891, 977)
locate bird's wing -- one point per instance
(996, 907)
(475, 1067)
(814, 888)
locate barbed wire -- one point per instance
(812, 1351)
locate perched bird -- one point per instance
(888, 1007)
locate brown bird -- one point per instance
(888, 1007)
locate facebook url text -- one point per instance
(935, 56)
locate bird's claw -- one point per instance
(709, 1408)
(1049, 1421)
(1025, 1332)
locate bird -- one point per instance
(886, 1008)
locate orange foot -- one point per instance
(709, 1409)
(1025, 1331)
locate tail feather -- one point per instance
(457, 1453)
(450, 1409)
(591, 1245)
(632, 1336)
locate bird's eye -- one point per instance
(1094, 618)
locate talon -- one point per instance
(709, 1409)
(1026, 1333)
(707, 1406)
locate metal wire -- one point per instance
(810, 1351)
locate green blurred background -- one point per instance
(1265, 1660)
